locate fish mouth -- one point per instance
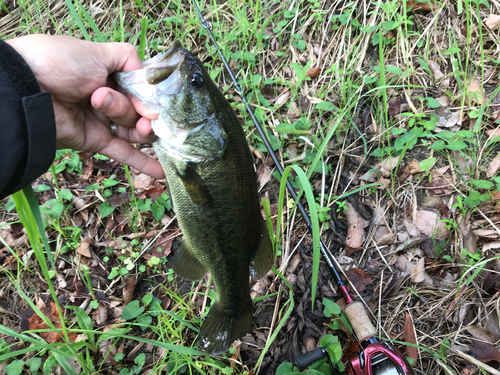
(166, 65)
(160, 75)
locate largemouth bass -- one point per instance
(213, 186)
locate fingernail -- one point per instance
(107, 102)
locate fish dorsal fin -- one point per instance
(195, 187)
(263, 257)
(187, 266)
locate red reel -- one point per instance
(378, 359)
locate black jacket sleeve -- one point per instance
(27, 124)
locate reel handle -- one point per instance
(305, 359)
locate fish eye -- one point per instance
(196, 80)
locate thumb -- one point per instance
(120, 57)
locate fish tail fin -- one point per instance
(222, 327)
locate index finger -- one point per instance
(125, 153)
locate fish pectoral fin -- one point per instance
(263, 258)
(195, 187)
(187, 266)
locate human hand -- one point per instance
(77, 74)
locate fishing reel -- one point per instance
(376, 357)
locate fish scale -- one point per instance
(213, 187)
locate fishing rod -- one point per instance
(377, 357)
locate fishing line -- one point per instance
(239, 90)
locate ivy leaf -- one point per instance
(15, 367)
(110, 182)
(483, 184)
(132, 310)
(158, 211)
(369, 79)
(438, 145)
(144, 321)
(369, 29)
(393, 69)
(424, 65)
(432, 103)
(426, 164)
(53, 208)
(105, 209)
(389, 25)
(331, 343)
(325, 106)
(34, 363)
(41, 187)
(140, 359)
(456, 145)
(286, 368)
(331, 308)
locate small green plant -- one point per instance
(323, 216)
(70, 161)
(471, 259)
(450, 224)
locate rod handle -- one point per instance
(361, 323)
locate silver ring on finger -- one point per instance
(114, 129)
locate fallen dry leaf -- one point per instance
(493, 167)
(383, 236)
(358, 278)
(154, 192)
(492, 133)
(282, 98)
(444, 100)
(164, 245)
(36, 322)
(355, 231)
(309, 343)
(388, 165)
(480, 334)
(128, 291)
(452, 120)
(492, 323)
(487, 233)
(429, 224)
(409, 337)
(484, 352)
(394, 106)
(116, 200)
(313, 72)
(84, 248)
(143, 181)
(418, 272)
(491, 282)
(470, 369)
(470, 242)
(489, 246)
(436, 71)
(355, 237)
(416, 5)
(101, 315)
(493, 21)
(474, 92)
(412, 167)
